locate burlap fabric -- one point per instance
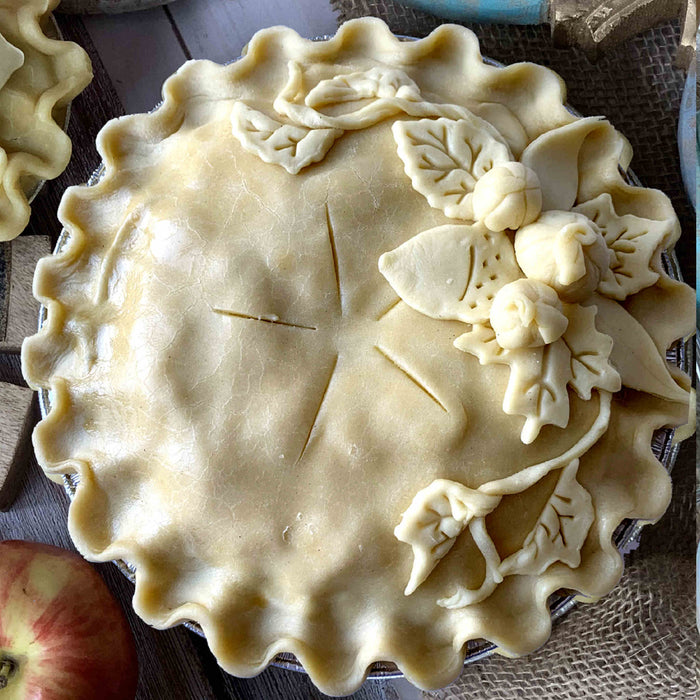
(638, 643)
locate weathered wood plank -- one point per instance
(107, 6)
(17, 415)
(219, 29)
(138, 53)
(20, 310)
(10, 369)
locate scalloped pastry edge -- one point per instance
(22, 164)
(535, 626)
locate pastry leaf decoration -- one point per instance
(443, 510)
(538, 377)
(354, 90)
(634, 354)
(634, 243)
(537, 386)
(359, 100)
(366, 98)
(508, 125)
(434, 520)
(292, 147)
(480, 341)
(380, 81)
(464, 596)
(559, 532)
(589, 353)
(554, 157)
(451, 272)
(445, 157)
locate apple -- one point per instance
(63, 636)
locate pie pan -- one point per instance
(625, 538)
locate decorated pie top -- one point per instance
(357, 349)
(38, 78)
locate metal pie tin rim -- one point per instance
(625, 537)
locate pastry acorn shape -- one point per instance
(507, 197)
(566, 251)
(527, 314)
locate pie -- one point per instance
(38, 78)
(357, 350)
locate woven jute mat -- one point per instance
(639, 642)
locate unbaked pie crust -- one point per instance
(38, 78)
(357, 349)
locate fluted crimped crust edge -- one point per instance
(47, 156)
(517, 620)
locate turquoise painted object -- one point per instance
(488, 11)
(688, 136)
(689, 149)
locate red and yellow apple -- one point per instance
(63, 636)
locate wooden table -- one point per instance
(132, 54)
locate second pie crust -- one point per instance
(33, 103)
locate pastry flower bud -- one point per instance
(564, 250)
(527, 314)
(507, 196)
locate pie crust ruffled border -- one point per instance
(615, 478)
(33, 146)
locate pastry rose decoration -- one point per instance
(507, 196)
(527, 314)
(566, 251)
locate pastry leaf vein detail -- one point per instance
(440, 513)
(634, 243)
(444, 159)
(292, 147)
